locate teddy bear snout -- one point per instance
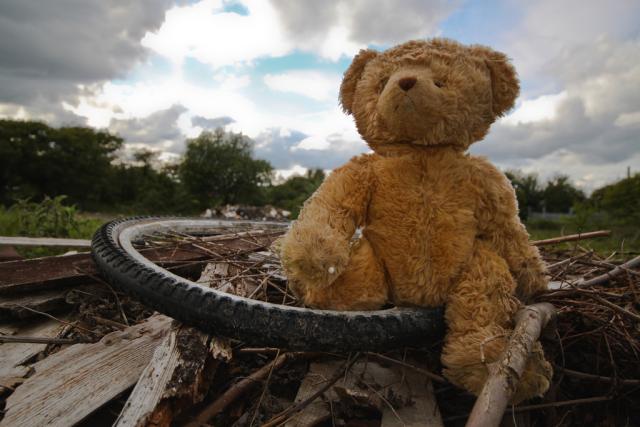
(407, 83)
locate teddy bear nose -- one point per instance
(407, 83)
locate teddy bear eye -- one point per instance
(438, 83)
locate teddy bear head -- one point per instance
(428, 93)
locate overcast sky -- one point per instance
(158, 72)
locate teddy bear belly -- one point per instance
(422, 252)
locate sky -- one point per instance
(158, 72)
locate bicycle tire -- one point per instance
(256, 323)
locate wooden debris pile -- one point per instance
(74, 350)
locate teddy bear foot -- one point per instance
(533, 382)
(535, 379)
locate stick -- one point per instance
(430, 375)
(505, 373)
(572, 237)
(73, 325)
(38, 340)
(282, 416)
(109, 322)
(604, 278)
(615, 307)
(238, 389)
(599, 378)
(526, 408)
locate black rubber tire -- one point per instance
(254, 322)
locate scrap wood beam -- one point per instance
(45, 241)
(73, 383)
(45, 273)
(177, 377)
(505, 373)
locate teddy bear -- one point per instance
(438, 225)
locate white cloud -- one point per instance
(50, 49)
(13, 111)
(340, 26)
(312, 84)
(628, 119)
(550, 29)
(275, 28)
(312, 143)
(534, 110)
(579, 116)
(296, 170)
(204, 32)
(586, 176)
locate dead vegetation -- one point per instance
(74, 350)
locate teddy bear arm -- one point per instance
(499, 224)
(316, 249)
(512, 243)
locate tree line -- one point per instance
(88, 167)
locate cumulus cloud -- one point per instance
(214, 123)
(284, 152)
(550, 30)
(205, 32)
(363, 21)
(49, 48)
(159, 130)
(578, 114)
(592, 118)
(312, 84)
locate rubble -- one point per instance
(87, 353)
(246, 212)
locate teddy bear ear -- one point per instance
(351, 77)
(505, 86)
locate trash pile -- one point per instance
(246, 212)
(76, 351)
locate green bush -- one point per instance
(49, 218)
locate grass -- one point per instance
(49, 218)
(624, 238)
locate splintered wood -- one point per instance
(179, 373)
(69, 385)
(175, 376)
(14, 356)
(403, 398)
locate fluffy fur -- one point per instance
(438, 226)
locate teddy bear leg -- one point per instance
(362, 285)
(479, 314)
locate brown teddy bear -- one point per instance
(439, 226)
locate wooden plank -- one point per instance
(44, 273)
(179, 373)
(374, 385)
(420, 408)
(175, 378)
(9, 253)
(45, 241)
(71, 384)
(319, 372)
(317, 411)
(14, 355)
(23, 306)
